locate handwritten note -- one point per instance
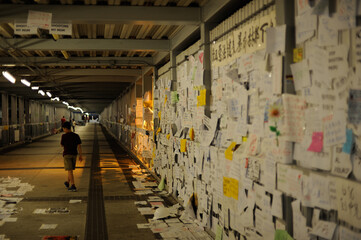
(349, 201)
(277, 204)
(276, 39)
(305, 27)
(294, 112)
(327, 34)
(347, 234)
(317, 142)
(334, 129)
(354, 106)
(341, 163)
(337, 61)
(301, 74)
(324, 229)
(277, 72)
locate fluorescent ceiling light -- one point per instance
(35, 88)
(66, 103)
(56, 98)
(9, 77)
(25, 82)
(49, 94)
(41, 92)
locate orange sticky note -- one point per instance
(183, 145)
(201, 99)
(229, 151)
(158, 131)
(191, 134)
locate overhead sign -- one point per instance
(39, 19)
(22, 28)
(64, 28)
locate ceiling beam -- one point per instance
(105, 14)
(77, 61)
(85, 44)
(83, 72)
(85, 79)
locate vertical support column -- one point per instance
(5, 119)
(173, 69)
(207, 81)
(5, 110)
(14, 109)
(21, 119)
(285, 15)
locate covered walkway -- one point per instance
(104, 181)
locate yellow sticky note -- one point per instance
(183, 145)
(233, 188)
(168, 136)
(6, 127)
(158, 131)
(159, 115)
(226, 183)
(244, 139)
(191, 134)
(229, 151)
(201, 99)
(297, 54)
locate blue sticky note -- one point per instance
(347, 146)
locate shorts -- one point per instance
(69, 162)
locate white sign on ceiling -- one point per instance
(39, 19)
(21, 28)
(64, 28)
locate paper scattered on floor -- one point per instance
(156, 204)
(143, 225)
(143, 192)
(155, 199)
(51, 211)
(74, 201)
(164, 212)
(146, 211)
(10, 219)
(140, 202)
(48, 226)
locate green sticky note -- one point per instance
(219, 233)
(282, 235)
(161, 184)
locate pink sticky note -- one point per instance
(317, 142)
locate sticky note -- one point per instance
(6, 127)
(347, 146)
(229, 151)
(168, 136)
(201, 99)
(317, 142)
(297, 54)
(165, 99)
(282, 235)
(226, 185)
(174, 97)
(191, 134)
(219, 233)
(244, 139)
(159, 115)
(159, 130)
(183, 145)
(233, 188)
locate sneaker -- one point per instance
(66, 184)
(72, 188)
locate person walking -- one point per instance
(73, 123)
(63, 120)
(71, 143)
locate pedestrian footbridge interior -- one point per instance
(199, 119)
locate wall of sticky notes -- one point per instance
(279, 155)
